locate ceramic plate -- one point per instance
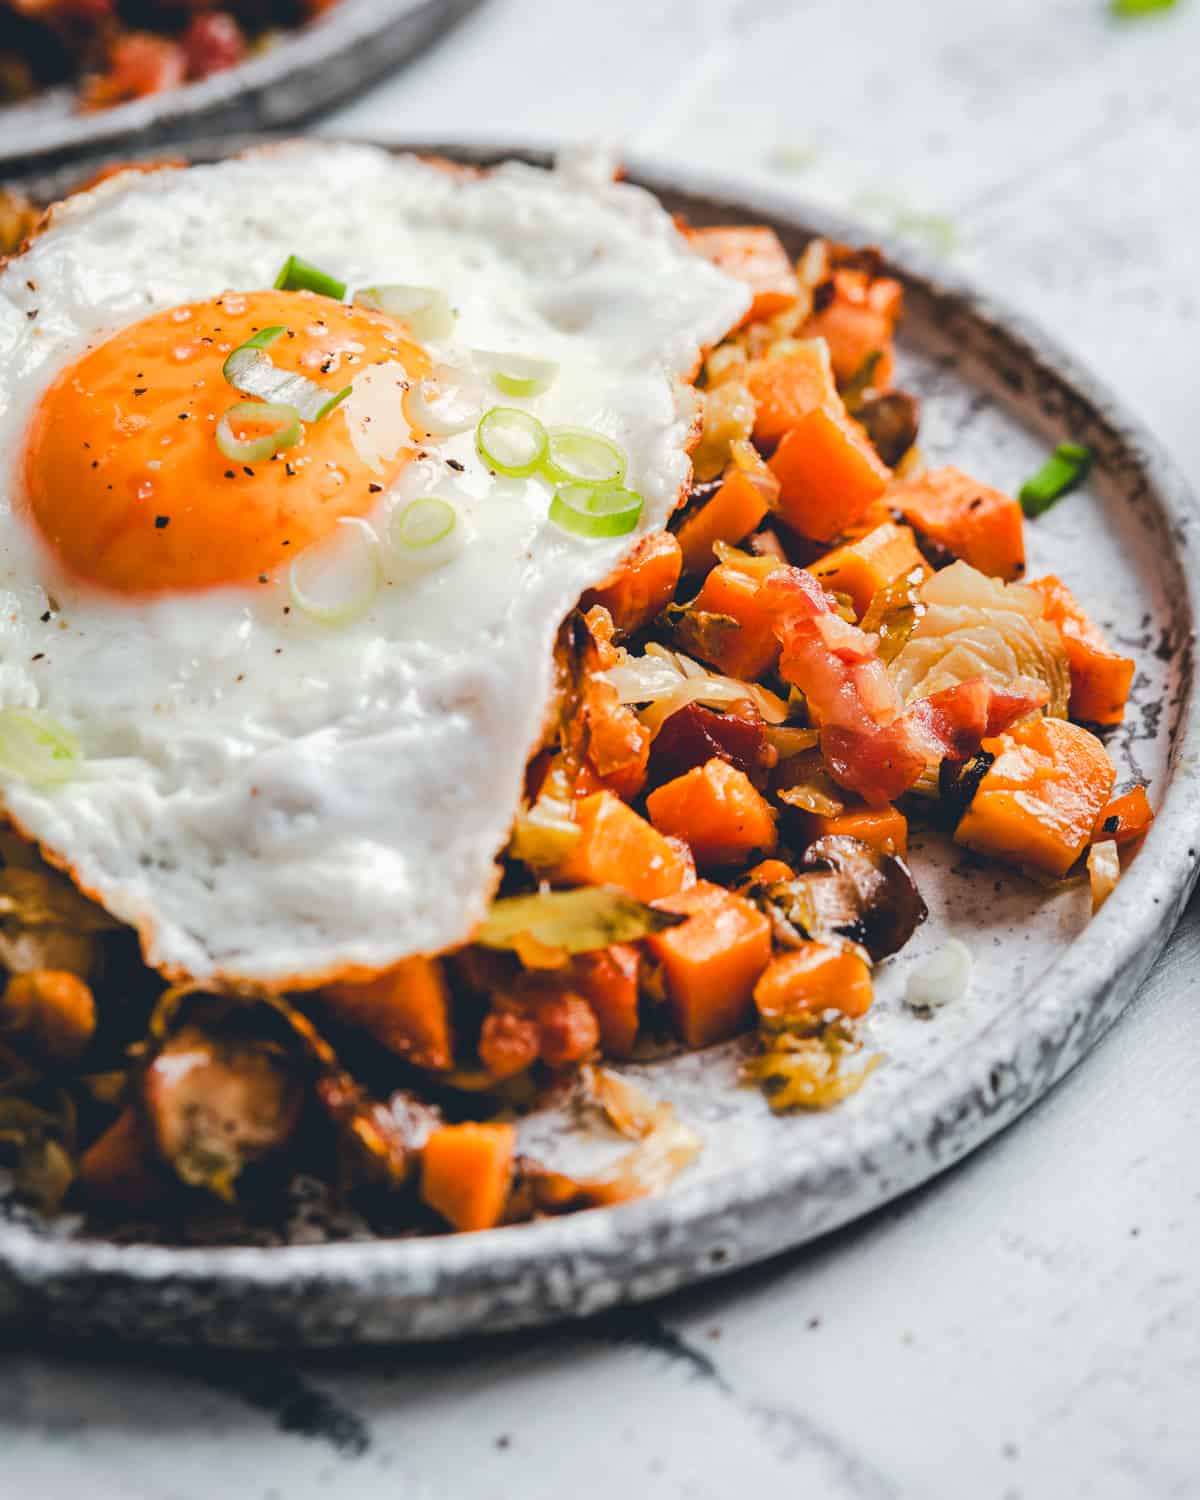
(308, 70)
(1047, 980)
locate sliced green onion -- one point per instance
(243, 357)
(441, 410)
(517, 374)
(285, 433)
(253, 373)
(579, 455)
(425, 309)
(1063, 470)
(337, 579)
(425, 533)
(585, 510)
(1127, 8)
(296, 275)
(422, 522)
(510, 441)
(37, 748)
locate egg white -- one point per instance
(267, 799)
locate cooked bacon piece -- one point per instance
(871, 745)
(139, 63)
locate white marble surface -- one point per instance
(1029, 1325)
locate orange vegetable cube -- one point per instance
(859, 321)
(752, 254)
(828, 474)
(786, 387)
(811, 979)
(862, 567)
(981, 525)
(1100, 679)
(748, 490)
(750, 651)
(884, 828)
(1038, 803)
(608, 980)
(617, 847)
(769, 872)
(1126, 819)
(710, 962)
(406, 1009)
(718, 811)
(466, 1173)
(641, 585)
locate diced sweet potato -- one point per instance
(617, 847)
(466, 1173)
(1039, 801)
(748, 489)
(862, 567)
(828, 474)
(119, 1167)
(1100, 679)
(883, 828)
(860, 321)
(810, 980)
(711, 962)
(753, 254)
(1126, 819)
(640, 587)
(786, 387)
(608, 980)
(769, 872)
(717, 809)
(750, 651)
(981, 525)
(406, 1009)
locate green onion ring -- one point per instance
(511, 442)
(422, 523)
(441, 410)
(577, 455)
(337, 578)
(243, 357)
(286, 432)
(253, 373)
(37, 748)
(1066, 467)
(518, 374)
(585, 510)
(296, 275)
(425, 309)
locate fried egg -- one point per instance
(270, 792)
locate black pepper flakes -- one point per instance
(453, 463)
(1112, 824)
(229, 474)
(262, 578)
(375, 489)
(289, 469)
(161, 521)
(47, 617)
(246, 469)
(139, 390)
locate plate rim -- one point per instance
(580, 1264)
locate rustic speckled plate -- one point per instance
(308, 70)
(1046, 984)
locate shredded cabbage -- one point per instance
(662, 682)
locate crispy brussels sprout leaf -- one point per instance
(576, 921)
(809, 1072)
(37, 1143)
(44, 898)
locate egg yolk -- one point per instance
(125, 479)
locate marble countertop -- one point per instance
(1028, 1325)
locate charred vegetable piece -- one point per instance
(578, 921)
(51, 1011)
(809, 1070)
(119, 1168)
(890, 908)
(892, 422)
(214, 1105)
(870, 563)
(641, 586)
(810, 980)
(972, 521)
(694, 734)
(711, 962)
(407, 1009)
(894, 612)
(466, 1173)
(37, 1141)
(1100, 679)
(736, 506)
(1126, 819)
(1038, 803)
(616, 848)
(717, 811)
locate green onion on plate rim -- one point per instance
(1066, 467)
